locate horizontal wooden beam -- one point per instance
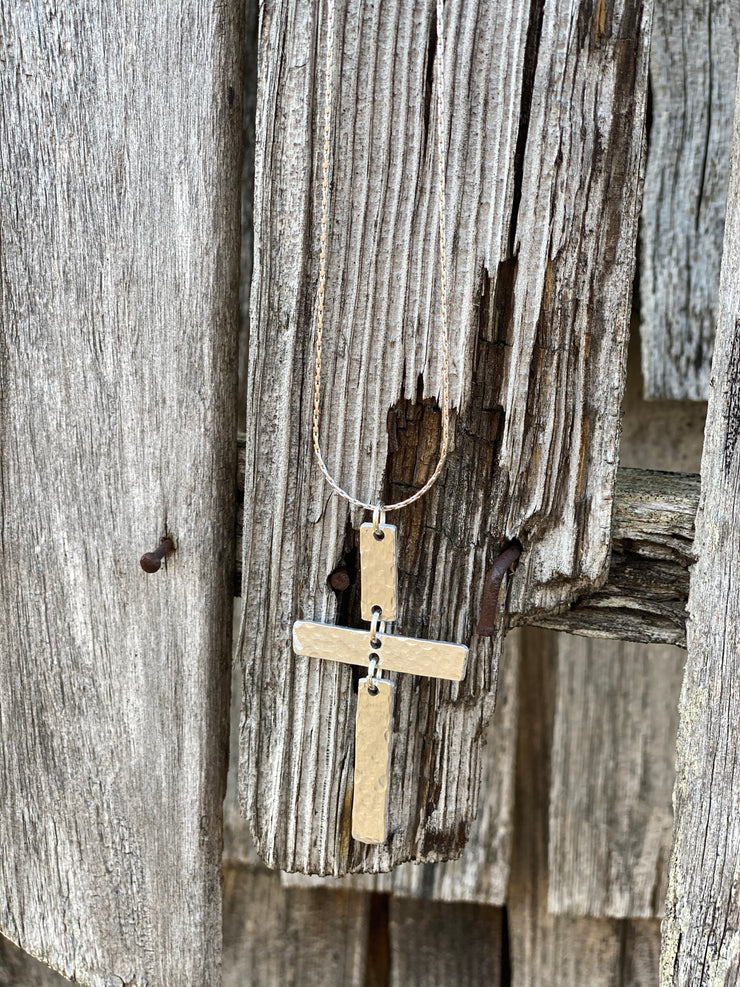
(644, 597)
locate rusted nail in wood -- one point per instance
(339, 580)
(502, 564)
(152, 561)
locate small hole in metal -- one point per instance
(373, 689)
(377, 643)
(378, 535)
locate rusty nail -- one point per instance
(152, 561)
(339, 580)
(502, 564)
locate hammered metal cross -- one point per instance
(380, 652)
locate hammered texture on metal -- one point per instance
(378, 572)
(373, 733)
(433, 659)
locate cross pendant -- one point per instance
(381, 652)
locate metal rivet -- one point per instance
(339, 580)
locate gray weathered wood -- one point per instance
(557, 950)
(238, 846)
(644, 597)
(433, 944)
(536, 383)
(481, 874)
(640, 953)
(701, 929)
(612, 776)
(693, 64)
(545, 949)
(616, 706)
(119, 182)
(274, 936)
(645, 594)
(247, 240)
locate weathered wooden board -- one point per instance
(616, 708)
(652, 534)
(433, 944)
(238, 846)
(249, 100)
(644, 597)
(119, 171)
(693, 64)
(701, 929)
(544, 948)
(612, 777)
(312, 938)
(536, 384)
(640, 959)
(481, 874)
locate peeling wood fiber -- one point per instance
(546, 126)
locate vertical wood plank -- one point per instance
(612, 775)
(641, 953)
(433, 944)
(701, 929)
(119, 169)
(274, 935)
(547, 949)
(543, 203)
(615, 723)
(693, 65)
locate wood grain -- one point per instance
(434, 944)
(616, 703)
(545, 949)
(558, 950)
(701, 929)
(537, 376)
(119, 169)
(693, 65)
(481, 874)
(644, 597)
(611, 777)
(272, 936)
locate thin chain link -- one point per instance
(445, 440)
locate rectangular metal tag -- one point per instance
(411, 655)
(373, 732)
(378, 571)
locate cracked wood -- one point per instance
(701, 928)
(119, 178)
(546, 124)
(645, 594)
(693, 64)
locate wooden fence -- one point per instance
(572, 791)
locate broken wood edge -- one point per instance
(646, 590)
